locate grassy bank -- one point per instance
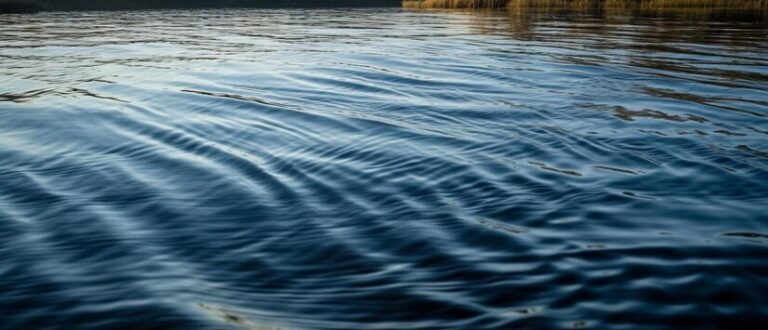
(585, 4)
(14, 6)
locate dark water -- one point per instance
(382, 169)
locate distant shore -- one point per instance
(30, 6)
(585, 4)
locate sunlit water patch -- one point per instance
(382, 169)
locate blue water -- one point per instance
(382, 169)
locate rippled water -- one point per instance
(382, 169)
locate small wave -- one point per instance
(381, 169)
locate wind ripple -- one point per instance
(382, 169)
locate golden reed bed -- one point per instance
(617, 4)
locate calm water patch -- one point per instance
(382, 169)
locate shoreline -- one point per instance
(588, 4)
(33, 6)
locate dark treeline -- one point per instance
(14, 7)
(22, 6)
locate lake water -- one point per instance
(383, 169)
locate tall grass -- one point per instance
(475, 4)
(586, 4)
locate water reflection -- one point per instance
(382, 169)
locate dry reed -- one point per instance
(586, 4)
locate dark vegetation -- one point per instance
(16, 7)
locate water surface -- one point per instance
(382, 169)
